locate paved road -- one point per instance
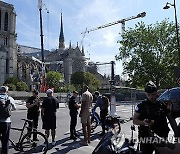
(64, 144)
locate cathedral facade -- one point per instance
(8, 50)
(24, 62)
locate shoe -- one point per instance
(83, 143)
(89, 141)
(53, 143)
(73, 138)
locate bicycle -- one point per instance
(27, 145)
(110, 122)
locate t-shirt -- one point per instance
(35, 109)
(50, 104)
(87, 99)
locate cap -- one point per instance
(49, 91)
(150, 87)
(75, 92)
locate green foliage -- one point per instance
(151, 54)
(11, 80)
(52, 80)
(22, 86)
(12, 87)
(78, 79)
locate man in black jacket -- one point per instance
(151, 115)
(73, 112)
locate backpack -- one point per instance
(5, 109)
(106, 102)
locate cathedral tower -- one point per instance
(61, 36)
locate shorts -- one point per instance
(85, 117)
(49, 122)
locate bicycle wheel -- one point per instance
(28, 145)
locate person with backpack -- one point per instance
(103, 103)
(7, 104)
(73, 112)
(33, 105)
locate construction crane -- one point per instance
(122, 21)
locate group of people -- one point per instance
(85, 106)
(150, 115)
(48, 108)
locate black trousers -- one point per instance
(73, 122)
(4, 131)
(34, 118)
(103, 114)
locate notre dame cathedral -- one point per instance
(25, 63)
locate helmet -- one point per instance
(150, 87)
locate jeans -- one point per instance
(4, 131)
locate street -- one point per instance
(64, 144)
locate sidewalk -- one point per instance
(21, 105)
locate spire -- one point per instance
(70, 45)
(61, 36)
(83, 51)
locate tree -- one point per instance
(22, 86)
(151, 54)
(52, 80)
(78, 79)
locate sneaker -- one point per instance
(53, 143)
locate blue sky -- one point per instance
(99, 45)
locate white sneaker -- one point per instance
(53, 143)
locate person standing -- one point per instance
(73, 112)
(103, 103)
(48, 113)
(5, 122)
(33, 106)
(86, 106)
(151, 115)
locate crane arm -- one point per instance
(143, 14)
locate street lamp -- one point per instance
(176, 22)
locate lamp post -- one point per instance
(176, 23)
(42, 47)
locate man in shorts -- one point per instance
(48, 113)
(86, 105)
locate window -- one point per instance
(7, 66)
(5, 41)
(6, 22)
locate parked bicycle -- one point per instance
(26, 144)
